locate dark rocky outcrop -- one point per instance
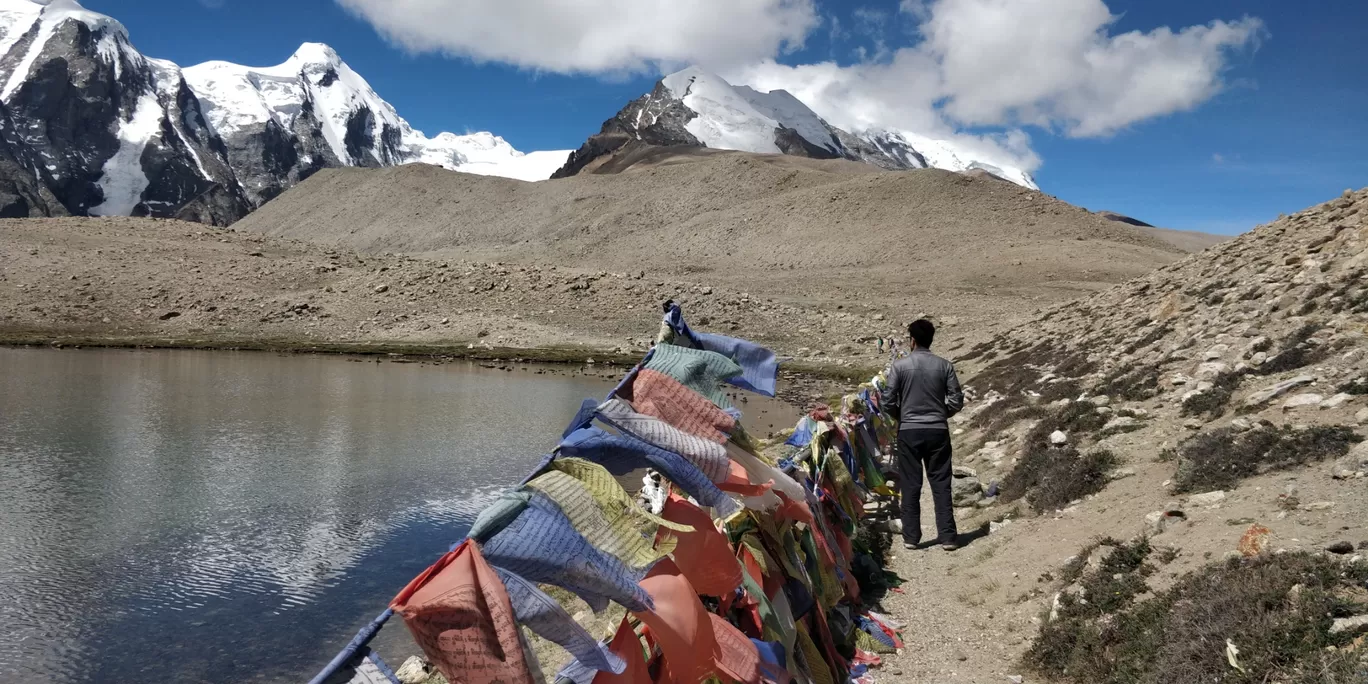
(85, 86)
(25, 185)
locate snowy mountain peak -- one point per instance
(206, 143)
(695, 107)
(316, 53)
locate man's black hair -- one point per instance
(922, 332)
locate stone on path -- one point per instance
(1207, 499)
(1059, 437)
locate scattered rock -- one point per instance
(1336, 401)
(379, 289)
(1267, 394)
(1209, 370)
(1341, 547)
(1158, 521)
(1059, 437)
(1207, 499)
(1193, 424)
(1216, 352)
(415, 670)
(1100, 400)
(168, 315)
(1302, 400)
(1319, 506)
(1361, 417)
(1122, 474)
(1349, 624)
(1120, 423)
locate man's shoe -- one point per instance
(909, 546)
(950, 546)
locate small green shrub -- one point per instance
(1220, 459)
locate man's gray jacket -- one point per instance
(922, 392)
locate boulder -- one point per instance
(1302, 401)
(965, 488)
(1270, 393)
(1336, 401)
(1059, 437)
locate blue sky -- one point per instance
(1289, 128)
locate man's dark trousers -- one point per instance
(927, 449)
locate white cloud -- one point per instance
(594, 36)
(971, 65)
(1005, 64)
(1052, 63)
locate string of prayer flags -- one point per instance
(760, 367)
(742, 574)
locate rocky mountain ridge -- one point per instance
(100, 129)
(694, 108)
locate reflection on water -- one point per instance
(236, 517)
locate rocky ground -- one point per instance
(117, 278)
(1175, 375)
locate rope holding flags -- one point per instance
(742, 574)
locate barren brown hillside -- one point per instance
(797, 230)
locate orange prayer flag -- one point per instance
(794, 510)
(627, 646)
(739, 482)
(740, 660)
(704, 555)
(460, 615)
(680, 625)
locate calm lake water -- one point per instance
(236, 517)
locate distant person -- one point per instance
(923, 393)
(881, 345)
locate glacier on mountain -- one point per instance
(207, 143)
(359, 127)
(696, 108)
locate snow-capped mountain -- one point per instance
(104, 130)
(696, 108)
(116, 133)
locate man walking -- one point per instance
(922, 393)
